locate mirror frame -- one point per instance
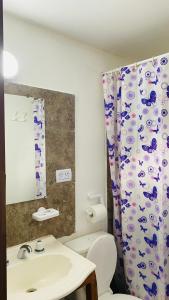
(3, 290)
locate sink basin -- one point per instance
(50, 275)
(37, 272)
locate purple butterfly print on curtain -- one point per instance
(152, 147)
(167, 91)
(151, 242)
(167, 192)
(151, 100)
(138, 149)
(167, 141)
(152, 291)
(151, 195)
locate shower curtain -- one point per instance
(137, 124)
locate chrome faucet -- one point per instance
(23, 251)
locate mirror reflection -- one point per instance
(25, 148)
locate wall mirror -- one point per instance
(24, 148)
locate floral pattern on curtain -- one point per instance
(137, 123)
(39, 138)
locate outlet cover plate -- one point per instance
(63, 175)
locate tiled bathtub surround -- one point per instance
(60, 154)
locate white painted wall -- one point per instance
(52, 61)
(19, 149)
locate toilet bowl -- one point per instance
(100, 248)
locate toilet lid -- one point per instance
(104, 254)
(123, 297)
(110, 296)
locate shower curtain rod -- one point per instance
(137, 63)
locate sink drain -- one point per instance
(32, 290)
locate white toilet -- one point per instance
(100, 248)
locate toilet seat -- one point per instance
(111, 296)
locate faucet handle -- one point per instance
(23, 251)
(39, 248)
(26, 247)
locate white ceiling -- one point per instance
(130, 28)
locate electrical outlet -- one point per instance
(63, 175)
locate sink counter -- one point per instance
(50, 275)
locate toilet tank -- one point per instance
(82, 244)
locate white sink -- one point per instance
(48, 276)
(38, 272)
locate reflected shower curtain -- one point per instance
(39, 140)
(137, 122)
